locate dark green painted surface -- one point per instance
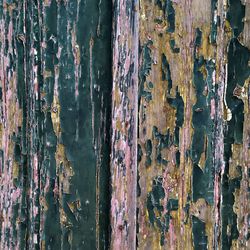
(50, 64)
(238, 73)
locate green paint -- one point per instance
(21, 144)
(203, 176)
(174, 49)
(79, 137)
(166, 74)
(178, 104)
(139, 153)
(150, 85)
(169, 13)
(199, 236)
(52, 229)
(148, 153)
(203, 127)
(154, 201)
(163, 141)
(214, 22)
(229, 217)
(145, 71)
(147, 95)
(238, 72)
(87, 145)
(235, 15)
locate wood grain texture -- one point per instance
(124, 124)
(192, 155)
(191, 132)
(55, 122)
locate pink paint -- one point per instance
(16, 194)
(124, 181)
(35, 172)
(212, 113)
(172, 235)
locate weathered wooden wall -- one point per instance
(193, 126)
(155, 158)
(55, 121)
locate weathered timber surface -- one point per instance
(124, 124)
(123, 134)
(193, 127)
(55, 116)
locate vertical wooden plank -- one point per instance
(124, 124)
(191, 132)
(77, 41)
(56, 109)
(165, 126)
(235, 175)
(14, 91)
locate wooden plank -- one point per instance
(55, 77)
(192, 172)
(124, 124)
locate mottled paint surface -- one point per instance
(193, 139)
(124, 124)
(56, 83)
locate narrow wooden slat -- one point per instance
(124, 124)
